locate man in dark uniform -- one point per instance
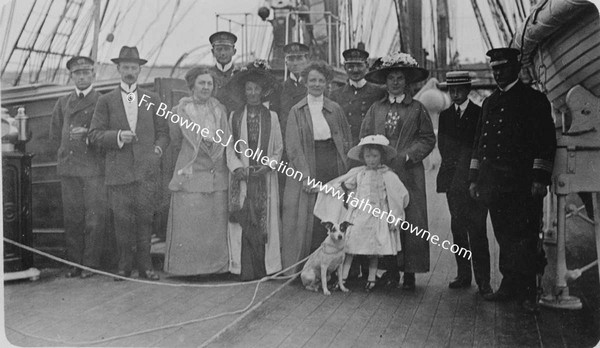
(509, 171)
(296, 59)
(80, 167)
(456, 133)
(223, 49)
(357, 95)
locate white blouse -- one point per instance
(321, 129)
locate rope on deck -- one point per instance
(164, 327)
(275, 276)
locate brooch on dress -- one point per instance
(391, 122)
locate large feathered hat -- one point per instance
(398, 61)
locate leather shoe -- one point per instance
(149, 274)
(73, 272)
(485, 290)
(87, 274)
(498, 296)
(408, 283)
(458, 283)
(122, 274)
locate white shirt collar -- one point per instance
(359, 84)
(507, 88)
(224, 68)
(125, 88)
(294, 77)
(463, 106)
(315, 100)
(396, 98)
(85, 91)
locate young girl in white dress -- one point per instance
(372, 193)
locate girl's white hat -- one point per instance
(377, 139)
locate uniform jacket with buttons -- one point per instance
(455, 142)
(291, 93)
(136, 161)
(356, 102)
(515, 141)
(75, 157)
(221, 78)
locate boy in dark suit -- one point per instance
(134, 137)
(456, 133)
(80, 168)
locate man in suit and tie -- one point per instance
(133, 137)
(223, 50)
(80, 167)
(456, 134)
(357, 95)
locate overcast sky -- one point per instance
(144, 23)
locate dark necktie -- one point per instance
(458, 112)
(81, 95)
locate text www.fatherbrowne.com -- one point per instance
(281, 167)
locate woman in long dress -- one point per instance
(406, 123)
(254, 221)
(196, 240)
(317, 140)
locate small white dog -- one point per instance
(326, 259)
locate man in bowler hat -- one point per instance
(81, 169)
(134, 138)
(456, 132)
(510, 169)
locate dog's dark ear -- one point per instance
(344, 226)
(328, 225)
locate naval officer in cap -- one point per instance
(456, 133)
(510, 169)
(223, 50)
(357, 95)
(80, 167)
(294, 89)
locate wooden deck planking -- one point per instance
(196, 334)
(332, 325)
(432, 316)
(276, 316)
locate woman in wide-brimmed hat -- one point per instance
(406, 123)
(254, 201)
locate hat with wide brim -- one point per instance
(398, 61)
(377, 139)
(129, 54)
(257, 72)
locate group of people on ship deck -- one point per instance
(231, 213)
